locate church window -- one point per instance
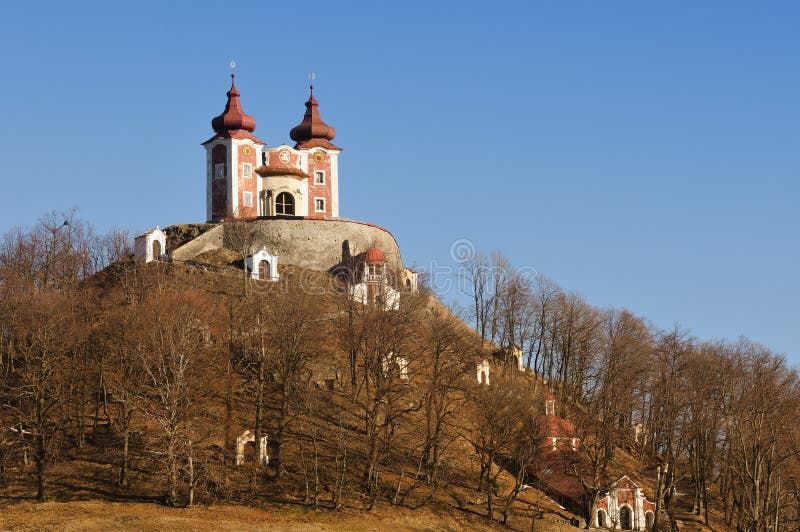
(247, 198)
(247, 170)
(319, 177)
(319, 205)
(219, 156)
(284, 204)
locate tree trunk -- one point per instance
(41, 472)
(191, 474)
(123, 471)
(280, 431)
(259, 422)
(171, 497)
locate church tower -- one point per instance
(232, 155)
(317, 158)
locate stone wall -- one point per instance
(309, 244)
(211, 239)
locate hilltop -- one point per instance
(150, 382)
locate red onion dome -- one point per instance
(312, 132)
(233, 118)
(375, 256)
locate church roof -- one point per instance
(624, 482)
(551, 426)
(559, 473)
(268, 170)
(312, 132)
(233, 122)
(375, 256)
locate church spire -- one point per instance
(233, 117)
(312, 132)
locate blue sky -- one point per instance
(643, 154)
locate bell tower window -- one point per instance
(247, 170)
(319, 177)
(218, 158)
(284, 204)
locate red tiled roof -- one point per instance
(316, 143)
(265, 170)
(554, 427)
(555, 471)
(375, 256)
(236, 134)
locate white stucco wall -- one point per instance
(296, 186)
(143, 245)
(254, 260)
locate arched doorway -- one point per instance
(601, 519)
(284, 204)
(156, 250)
(625, 518)
(483, 377)
(263, 270)
(649, 517)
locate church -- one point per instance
(288, 196)
(246, 180)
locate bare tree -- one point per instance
(477, 277)
(173, 347)
(495, 430)
(445, 349)
(672, 353)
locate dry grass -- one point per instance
(98, 515)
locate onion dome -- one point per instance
(312, 132)
(375, 256)
(233, 118)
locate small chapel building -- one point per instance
(150, 246)
(373, 287)
(624, 507)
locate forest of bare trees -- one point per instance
(715, 417)
(155, 369)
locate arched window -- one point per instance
(649, 517)
(263, 270)
(284, 204)
(156, 250)
(601, 518)
(625, 518)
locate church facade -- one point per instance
(288, 196)
(246, 180)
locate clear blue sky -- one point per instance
(644, 154)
